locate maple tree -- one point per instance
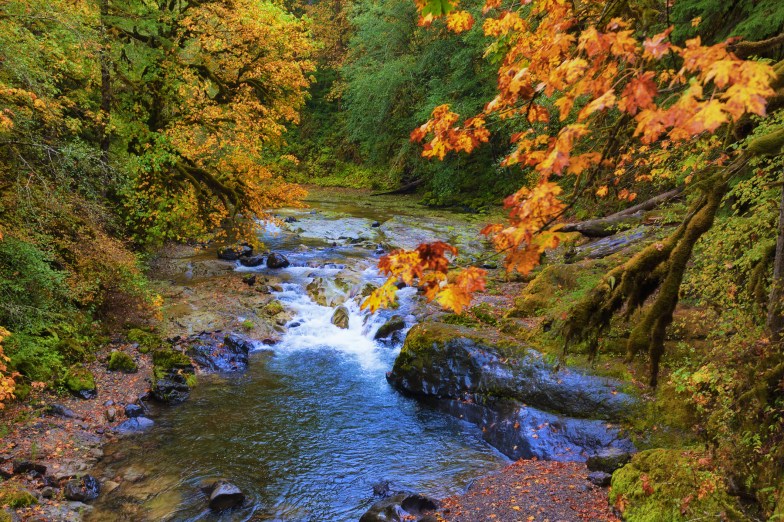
(223, 79)
(604, 108)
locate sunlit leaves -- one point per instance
(427, 267)
(7, 383)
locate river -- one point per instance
(312, 424)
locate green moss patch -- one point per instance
(122, 362)
(147, 341)
(273, 308)
(672, 485)
(167, 360)
(78, 379)
(15, 496)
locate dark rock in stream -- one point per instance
(134, 425)
(133, 410)
(600, 478)
(252, 261)
(525, 406)
(225, 495)
(26, 466)
(171, 389)
(218, 352)
(276, 260)
(400, 507)
(82, 489)
(394, 324)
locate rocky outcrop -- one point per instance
(219, 352)
(526, 407)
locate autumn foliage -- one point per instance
(578, 82)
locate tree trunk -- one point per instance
(106, 86)
(775, 320)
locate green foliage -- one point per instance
(751, 19)
(121, 362)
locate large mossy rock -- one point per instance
(121, 362)
(663, 484)
(80, 382)
(527, 407)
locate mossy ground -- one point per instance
(147, 341)
(167, 360)
(672, 485)
(15, 496)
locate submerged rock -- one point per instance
(400, 507)
(252, 261)
(340, 317)
(133, 410)
(526, 407)
(276, 260)
(225, 495)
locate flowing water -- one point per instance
(307, 430)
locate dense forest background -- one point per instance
(126, 125)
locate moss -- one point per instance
(672, 485)
(147, 341)
(72, 350)
(78, 378)
(417, 351)
(122, 362)
(273, 308)
(15, 496)
(166, 360)
(247, 325)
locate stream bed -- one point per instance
(312, 425)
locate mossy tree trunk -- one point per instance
(775, 319)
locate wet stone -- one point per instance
(83, 489)
(225, 495)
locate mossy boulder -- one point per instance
(452, 361)
(121, 362)
(527, 407)
(15, 496)
(674, 485)
(79, 381)
(173, 376)
(147, 341)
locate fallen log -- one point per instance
(623, 220)
(405, 189)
